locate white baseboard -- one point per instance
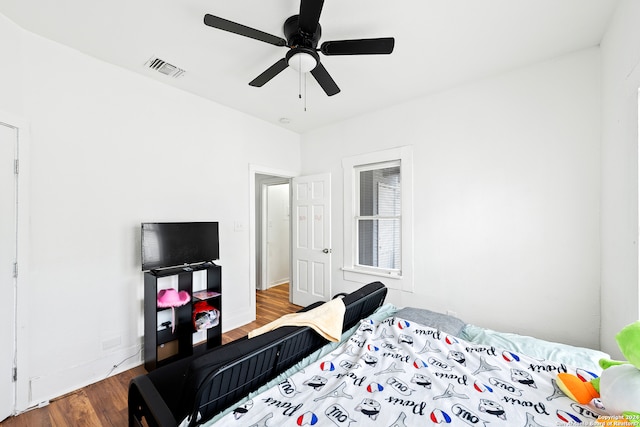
(236, 320)
(278, 282)
(46, 387)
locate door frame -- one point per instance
(253, 171)
(22, 400)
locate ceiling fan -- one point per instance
(302, 34)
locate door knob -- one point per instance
(326, 251)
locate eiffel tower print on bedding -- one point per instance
(397, 373)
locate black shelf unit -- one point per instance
(164, 346)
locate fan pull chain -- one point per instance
(299, 79)
(301, 86)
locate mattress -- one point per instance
(417, 367)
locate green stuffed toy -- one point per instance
(618, 387)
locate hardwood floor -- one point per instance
(105, 403)
(270, 305)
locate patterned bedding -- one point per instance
(398, 372)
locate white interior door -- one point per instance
(311, 239)
(8, 252)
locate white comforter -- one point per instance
(399, 373)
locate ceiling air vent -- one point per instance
(164, 67)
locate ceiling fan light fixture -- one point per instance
(302, 33)
(302, 60)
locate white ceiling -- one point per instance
(439, 44)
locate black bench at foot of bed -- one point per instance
(207, 384)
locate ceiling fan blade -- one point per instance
(234, 27)
(310, 15)
(378, 46)
(324, 80)
(269, 73)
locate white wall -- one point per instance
(11, 72)
(110, 149)
(507, 196)
(621, 80)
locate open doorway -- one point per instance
(261, 177)
(309, 259)
(272, 226)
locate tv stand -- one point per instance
(162, 345)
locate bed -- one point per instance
(409, 367)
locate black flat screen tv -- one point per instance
(172, 244)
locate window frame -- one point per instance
(358, 217)
(402, 279)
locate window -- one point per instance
(377, 217)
